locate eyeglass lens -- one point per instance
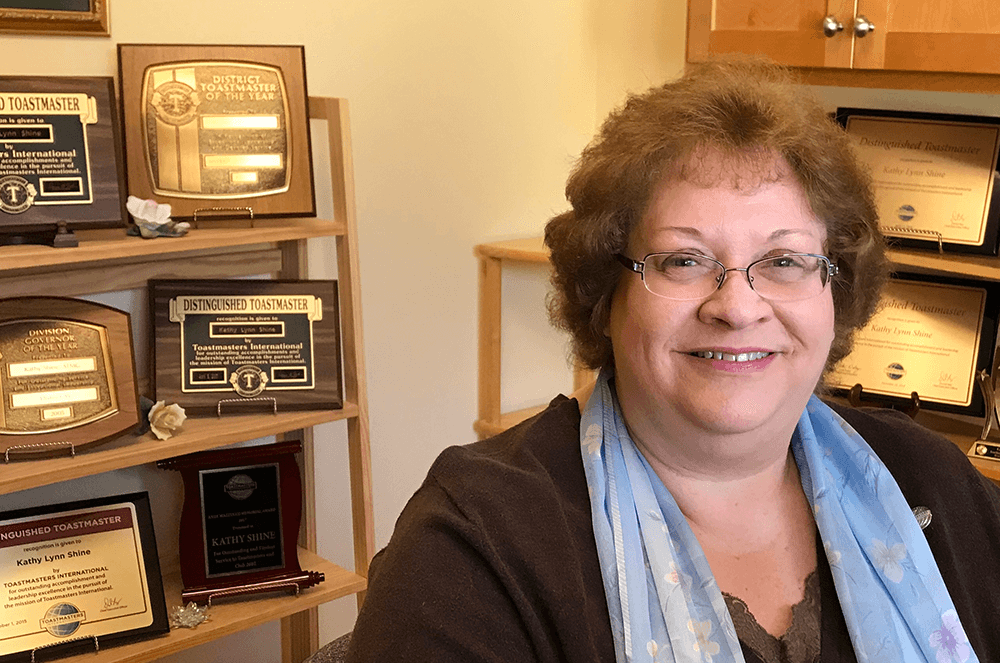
(692, 276)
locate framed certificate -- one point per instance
(77, 573)
(929, 336)
(246, 345)
(218, 129)
(935, 176)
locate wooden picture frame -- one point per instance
(61, 17)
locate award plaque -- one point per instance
(78, 577)
(240, 521)
(61, 165)
(218, 129)
(238, 346)
(934, 175)
(929, 336)
(67, 377)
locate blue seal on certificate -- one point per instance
(63, 619)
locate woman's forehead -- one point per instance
(743, 170)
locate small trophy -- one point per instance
(983, 447)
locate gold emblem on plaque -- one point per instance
(54, 375)
(216, 129)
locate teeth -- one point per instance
(726, 356)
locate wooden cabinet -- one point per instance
(108, 260)
(910, 39)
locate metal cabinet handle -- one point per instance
(831, 26)
(862, 27)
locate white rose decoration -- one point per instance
(165, 419)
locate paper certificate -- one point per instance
(933, 179)
(71, 574)
(925, 337)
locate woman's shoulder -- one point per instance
(921, 460)
(540, 447)
(893, 433)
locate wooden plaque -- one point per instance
(60, 156)
(218, 130)
(67, 375)
(240, 521)
(246, 346)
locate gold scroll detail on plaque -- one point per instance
(216, 130)
(54, 375)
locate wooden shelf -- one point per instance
(129, 450)
(110, 260)
(951, 264)
(527, 249)
(232, 615)
(112, 246)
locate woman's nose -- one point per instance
(735, 304)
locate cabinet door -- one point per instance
(788, 31)
(931, 35)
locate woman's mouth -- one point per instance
(728, 356)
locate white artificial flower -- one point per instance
(165, 419)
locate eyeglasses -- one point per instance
(686, 276)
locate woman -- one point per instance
(700, 503)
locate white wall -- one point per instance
(466, 118)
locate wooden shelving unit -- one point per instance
(109, 260)
(532, 250)
(491, 260)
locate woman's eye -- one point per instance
(675, 261)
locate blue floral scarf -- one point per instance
(664, 603)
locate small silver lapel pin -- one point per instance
(923, 516)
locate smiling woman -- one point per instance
(700, 502)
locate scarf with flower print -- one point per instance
(663, 600)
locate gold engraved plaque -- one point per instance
(216, 130)
(67, 375)
(54, 375)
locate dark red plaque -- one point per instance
(240, 521)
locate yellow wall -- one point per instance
(466, 118)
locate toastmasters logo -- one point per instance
(63, 619)
(895, 371)
(906, 212)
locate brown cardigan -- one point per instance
(493, 559)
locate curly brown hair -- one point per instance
(750, 111)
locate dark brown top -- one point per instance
(494, 560)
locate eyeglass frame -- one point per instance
(639, 267)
